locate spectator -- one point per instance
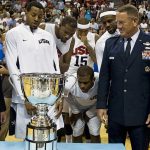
(44, 3)
(7, 92)
(2, 106)
(143, 24)
(142, 9)
(144, 16)
(93, 25)
(88, 14)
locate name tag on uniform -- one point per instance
(111, 58)
(146, 55)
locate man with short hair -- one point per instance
(82, 49)
(62, 33)
(124, 82)
(82, 97)
(29, 49)
(108, 19)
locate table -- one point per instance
(65, 146)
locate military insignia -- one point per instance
(147, 69)
(146, 55)
(147, 44)
(147, 47)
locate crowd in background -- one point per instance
(12, 13)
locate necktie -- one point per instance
(128, 49)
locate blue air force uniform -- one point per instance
(124, 86)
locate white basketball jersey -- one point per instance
(77, 97)
(61, 46)
(80, 55)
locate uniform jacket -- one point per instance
(124, 87)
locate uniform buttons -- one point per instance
(125, 80)
(124, 91)
(126, 70)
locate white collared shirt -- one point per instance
(134, 38)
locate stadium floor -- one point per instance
(104, 138)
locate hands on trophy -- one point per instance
(44, 102)
(31, 110)
(59, 107)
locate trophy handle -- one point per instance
(65, 93)
(14, 87)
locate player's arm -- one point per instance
(11, 55)
(42, 26)
(89, 48)
(64, 61)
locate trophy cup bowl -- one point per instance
(41, 90)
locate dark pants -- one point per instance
(138, 135)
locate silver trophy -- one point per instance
(42, 91)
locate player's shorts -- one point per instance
(93, 125)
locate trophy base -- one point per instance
(41, 132)
(52, 145)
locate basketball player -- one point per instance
(82, 97)
(29, 49)
(62, 33)
(82, 50)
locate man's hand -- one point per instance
(74, 117)
(148, 121)
(102, 114)
(31, 110)
(3, 70)
(89, 48)
(59, 108)
(84, 39)
(2, 117)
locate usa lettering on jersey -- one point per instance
(81, 50)
(44, 41)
